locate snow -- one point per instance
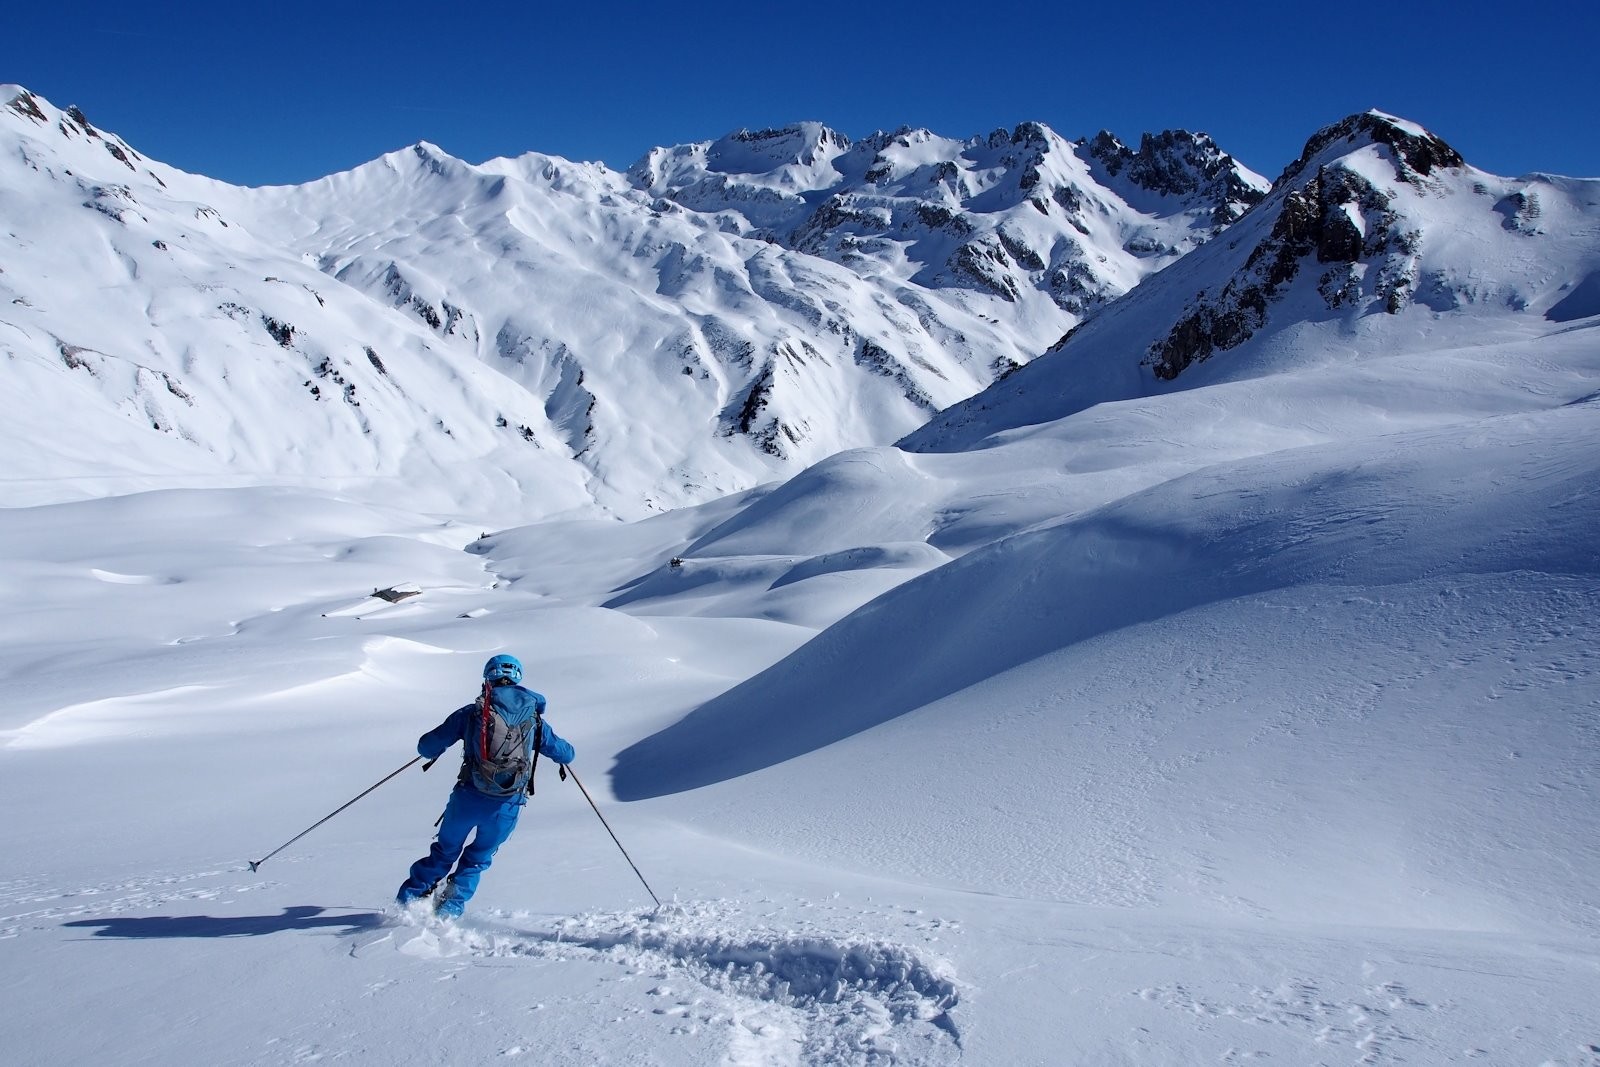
(1250, 716)
(1400, 123)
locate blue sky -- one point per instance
(260, 94)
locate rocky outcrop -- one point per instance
(1332, 216)
(1178, 163)
(755, 414)
(27, 105)
(1520, 212)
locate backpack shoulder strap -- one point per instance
(485, 709)
(538, 739)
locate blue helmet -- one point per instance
(503, 670)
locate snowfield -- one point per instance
(1249, 715)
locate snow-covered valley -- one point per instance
(1219, 686)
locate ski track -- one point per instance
(783, 997)
(792, 996)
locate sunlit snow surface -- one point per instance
(1253, 722)
(1217, 755)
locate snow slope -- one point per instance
(1246, 715)
(1388, 568)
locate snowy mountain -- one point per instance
(722, 314)
(1378, 239)
(161, 341)
(1011, 215)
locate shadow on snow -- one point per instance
(297, 918)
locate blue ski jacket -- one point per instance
(519, 706)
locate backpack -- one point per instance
(497, 760)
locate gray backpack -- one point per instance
(497, 760)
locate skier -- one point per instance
(499, 732)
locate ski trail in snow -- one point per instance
(785, 997)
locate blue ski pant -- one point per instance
(489, 820)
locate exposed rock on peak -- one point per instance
(71, 124)
(1417, 153)
(1033, 133)
(76, 115)
(1333, 211)
(432, 158)
(1109, 150)
(1339, 217)
(26, 104)
(1180, 163)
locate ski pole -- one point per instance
(256, 864)
(568, 770)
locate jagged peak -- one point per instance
(1024, 134)
(811, 132)
(904, 136)
(1033, 133)
(1169, 147)
(1417, 153)
(760, 151)
(1106, 147)
(1177, 162)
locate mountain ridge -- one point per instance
(583, 309)
(720, 315)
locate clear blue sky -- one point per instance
(290, 91)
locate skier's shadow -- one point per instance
(298, 918)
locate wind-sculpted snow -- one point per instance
(915, 555)
(1327, 514)
(1581, 302)
(848, 500)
